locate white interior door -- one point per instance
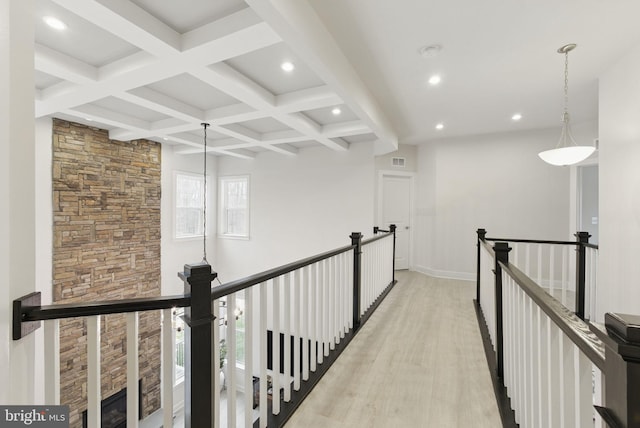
(396, 201)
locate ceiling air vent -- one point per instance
(399, 162)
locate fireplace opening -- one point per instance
(114, 409)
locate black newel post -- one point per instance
(581, 266)
(481, 235)
(501, 250)
(392, 229)
(356, 239)
(622, 370)
(198, 409)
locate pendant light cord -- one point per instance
(204, 205)
(566, 83)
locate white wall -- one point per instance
(178, 252)
(496, 182)
(300, 206)
(17, 193)
(44, 238)
(619, 270)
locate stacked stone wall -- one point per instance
(106, 239)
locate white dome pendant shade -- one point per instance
(567, 152)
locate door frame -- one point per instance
(411, 176)
(575, 194)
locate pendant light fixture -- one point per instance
(204, 202)
(567, 152)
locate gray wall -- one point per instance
(619, 271)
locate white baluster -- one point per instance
(539, 265)
(555, 375)
(52, 362)
(230, 380)
(542, 356)
(93, 372)
(565, 274)
(215, 351)
(305, 324)
(299, 328)
(275, 347)
(552, 269)
(534, 364)
(325, 306)
(132, 370)
(583, 389)
(286, 329)
(168, 366)
(567, 384)
(263, 355)
(313, 301)
(248, 357)
(333, 304)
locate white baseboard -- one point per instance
(446, 274)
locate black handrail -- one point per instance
(241, 284)
(576, 329)
(375, 238)
(539, 241)
(488, 247)
(532, 241)
(71, 310)
(84, 309)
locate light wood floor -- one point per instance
(417, 362)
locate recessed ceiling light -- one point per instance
(287, 66)
(516, 117)
(440, 126)
(165, 138)
(54, 23)
(336, 111)
(88, 119)
(435, 79)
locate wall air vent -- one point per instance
(399, 162)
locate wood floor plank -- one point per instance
(417, 362)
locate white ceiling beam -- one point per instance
(308, 99)
(236, 84)
(239, 112)
(246, 90)
(304, 125)
(301, 28)
(141, 69)
(127, 21)
(162, 103)
(280, 137)
(167, 131)
(109, 117)
(283, 149)
(238, 153)
(240, 132)
(345, 129)
(63, 66)
(244, 134)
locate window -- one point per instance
(234, 206)
(189, 213)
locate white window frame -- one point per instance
(186, 237)
(222, 216)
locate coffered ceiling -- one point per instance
(158, 69)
